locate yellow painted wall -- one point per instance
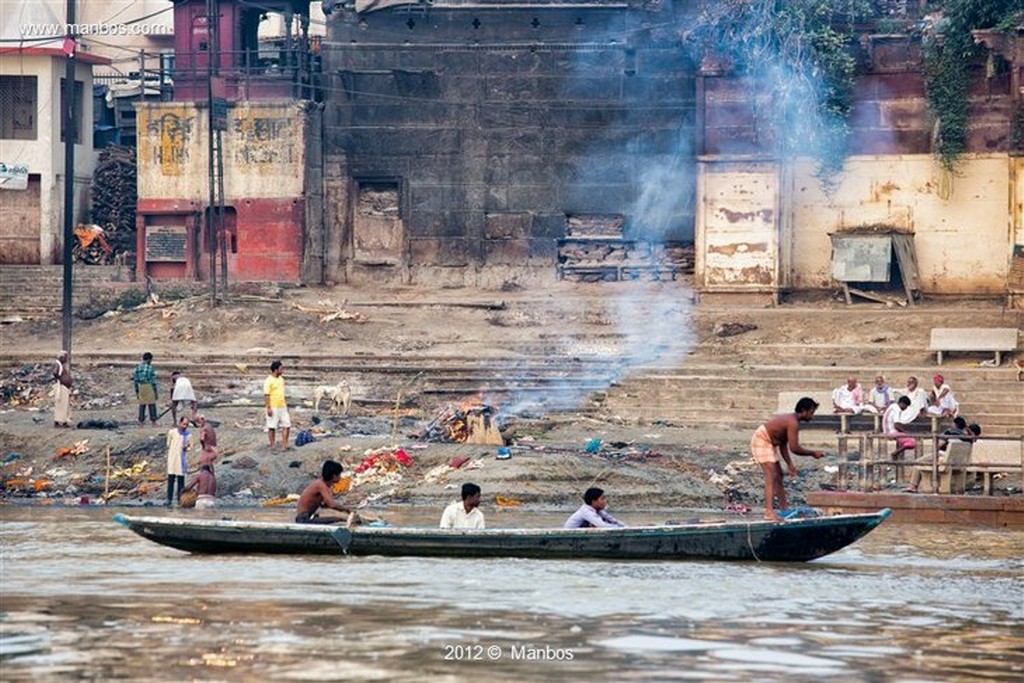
(264, 151)
(961, 225)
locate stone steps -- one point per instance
(38, 291)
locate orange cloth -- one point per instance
(761, 447)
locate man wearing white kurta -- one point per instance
(849, 398)
(178, 441)
(465, 513)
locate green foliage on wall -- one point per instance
(801, 52)
(949, 50)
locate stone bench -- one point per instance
(985, 457)
(984, 339)
(991, 456)
(952, 469)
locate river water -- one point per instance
(84, 598)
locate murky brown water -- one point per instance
(89, 600)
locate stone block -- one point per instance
(507, 226)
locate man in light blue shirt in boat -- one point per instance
(592, 513)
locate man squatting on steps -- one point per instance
(779, 435)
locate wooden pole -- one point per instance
(106, 481)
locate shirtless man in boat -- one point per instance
(318, 495)
(779, 436)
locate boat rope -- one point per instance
(750, 544)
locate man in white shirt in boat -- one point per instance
(465, 513)
(592, 513)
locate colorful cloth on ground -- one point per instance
(456, 517)
(586, 516)
(762, 449)
(274, 387)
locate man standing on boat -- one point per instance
(465, 513)
(779, 436)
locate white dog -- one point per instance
(339, 396)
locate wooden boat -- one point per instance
(790, 541)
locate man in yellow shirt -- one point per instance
(277, 408)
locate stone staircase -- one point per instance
(728, 396)
(33, 292)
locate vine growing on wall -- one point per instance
(948, 48)
(801, 52)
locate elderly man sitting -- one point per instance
(849, 398)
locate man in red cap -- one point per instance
(941, 398)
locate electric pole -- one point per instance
(69, 115)
(217, 108)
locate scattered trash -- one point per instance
(593, 446)
(77, 449)
(304, 437)
(503, 502)
(503, 454)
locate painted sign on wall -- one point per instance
(13, 176)
(166, 242)
(170, 134)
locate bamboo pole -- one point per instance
(106, 480)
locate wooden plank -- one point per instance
(1002, 511)
(903, 245)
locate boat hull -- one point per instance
(790, 541)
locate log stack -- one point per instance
(114, 197)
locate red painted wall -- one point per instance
(265, 243)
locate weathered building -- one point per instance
(32, 134)
(270, 151)
(764, 225)
(484, 142)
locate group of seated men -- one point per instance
(900, 409)
(851, 399)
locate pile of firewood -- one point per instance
(114, 197)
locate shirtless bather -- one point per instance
(318, 495)
(779, 436)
